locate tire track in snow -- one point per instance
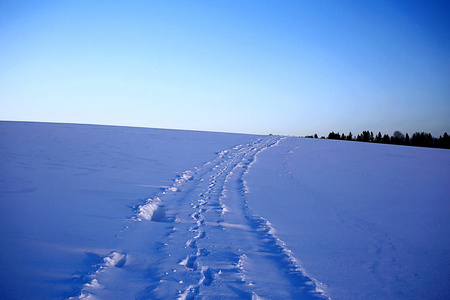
(215, 246)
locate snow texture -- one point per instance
(101, 212)
(370, 221)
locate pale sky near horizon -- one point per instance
(281, 67)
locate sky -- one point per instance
(280, 67)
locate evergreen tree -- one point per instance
(379, 138)
(446, 141)
(420, 139)
(366, 136)
(350, 136)
(430, 140)
(334, 136)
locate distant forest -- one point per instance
(419, 139)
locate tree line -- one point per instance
(419, 139)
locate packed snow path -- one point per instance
(198, 239)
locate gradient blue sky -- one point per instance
(282, 67)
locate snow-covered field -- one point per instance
(108, 212)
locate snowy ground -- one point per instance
(370, 221)
(130, 213)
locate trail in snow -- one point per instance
(199, 239)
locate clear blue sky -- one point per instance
(282, 67)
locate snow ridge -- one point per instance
(214, 247)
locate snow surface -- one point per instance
(102, 212)
(68, 193)
(370, 221)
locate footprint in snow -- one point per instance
(116, 259)
(189, 262)
(191, 243)
(208, 276)
(200, 235)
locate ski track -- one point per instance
(215, 246)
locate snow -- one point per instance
(367, 220)
(116, 259)
(69, 192)
(103, 212)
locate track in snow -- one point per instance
(213, 246)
